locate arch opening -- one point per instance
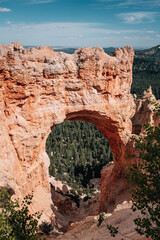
(77, 151)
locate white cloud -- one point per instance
(5, 9)
(137, 17)
(126, 37)
(151, 32)
(133, 3)
(139, 3)
(40, 1)
(8, 22)
(72, 34)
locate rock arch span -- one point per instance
(40, 88)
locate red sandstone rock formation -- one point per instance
(40, 88)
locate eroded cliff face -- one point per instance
(40, 88)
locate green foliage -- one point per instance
(145, 175)
(113, 231)
(100, 218)
(16, 222)
(5, 230)
(156, 108)
(46, 227)
(77, 151)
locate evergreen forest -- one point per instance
(77, 151)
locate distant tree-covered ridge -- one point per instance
(146, 71)
(77, 151)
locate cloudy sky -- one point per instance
(79, 23)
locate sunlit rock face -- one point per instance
(40, 88)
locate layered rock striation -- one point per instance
(40, 88)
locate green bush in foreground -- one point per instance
(15, 221)
(145, 173)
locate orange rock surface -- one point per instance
(40, 88)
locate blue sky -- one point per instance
(80, 23)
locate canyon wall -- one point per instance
(40, 88)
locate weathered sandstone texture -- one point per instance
(40, 88)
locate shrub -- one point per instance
(145, 174)
(100, 218)
(46, 227)
(15, 221)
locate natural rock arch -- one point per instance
(40, 88)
